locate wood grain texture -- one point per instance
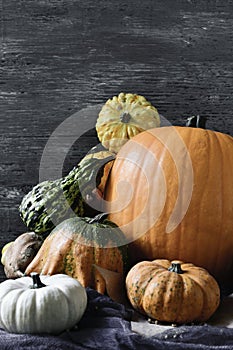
(59, 56)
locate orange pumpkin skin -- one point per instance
(151, 172)
(168, 296)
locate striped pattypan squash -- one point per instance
(123, 117)
(46, 304)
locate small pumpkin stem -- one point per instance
(98, 218)
(125, 117)
(175, 267)
(196, 122)
(36, 281)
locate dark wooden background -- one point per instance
(59, 56)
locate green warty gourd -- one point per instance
(51, 202)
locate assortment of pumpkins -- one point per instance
(151, 213)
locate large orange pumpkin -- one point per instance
(171, 192)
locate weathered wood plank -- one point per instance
(58, 57)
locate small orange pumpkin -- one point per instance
(173, 292)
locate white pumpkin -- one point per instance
(51, 304)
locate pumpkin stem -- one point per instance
(125, 117)
(175, 267)
(196, 122)
(36, 281)
(98, 218)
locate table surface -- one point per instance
(58, 57)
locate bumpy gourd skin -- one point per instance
(52, 202)
(48, 203)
